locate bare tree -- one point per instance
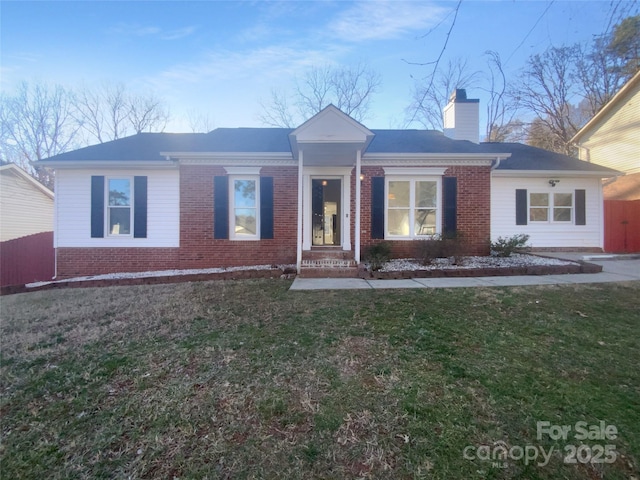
(612, 60)
(109, 112)
(147, 113)
(565, 86)
(539, 135)
(348, 88)
(37, 122)
(199, 122)
(546, 89)
(501, 108)
(431, 95)
(279, 112)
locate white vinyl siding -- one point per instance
(73, 207)
(24, 209)
(614, 141)
(547, 234)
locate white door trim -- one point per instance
(329, 173)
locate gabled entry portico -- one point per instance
(328, 148)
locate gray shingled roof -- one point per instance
(148, 146)
(526, 157)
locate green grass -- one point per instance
(244, 379)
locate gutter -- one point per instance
(496, 163)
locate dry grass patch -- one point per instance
(244, 379)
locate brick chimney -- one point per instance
(462, 117)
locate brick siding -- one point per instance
(473, 211)
(198, 248)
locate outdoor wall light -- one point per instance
(324, 183)
(553, 182)
(361, 176)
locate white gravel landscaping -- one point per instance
(515, 260)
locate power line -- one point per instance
(435, 67)
(530, 31)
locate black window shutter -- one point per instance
(140, 207)
(221, 207)
(266, 207)
(450, 197)
(521, 207)
(97, 206)
(581, 211)
(377, 207)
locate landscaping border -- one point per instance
(580, 266)
(275, 272)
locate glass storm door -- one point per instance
(325, 211)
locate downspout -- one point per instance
(55, 228)
(358, 189)
(299, 245)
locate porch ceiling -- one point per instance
(330, 154)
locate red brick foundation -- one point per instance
(79, 262)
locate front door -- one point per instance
(325, 211)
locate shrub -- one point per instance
(429, 249)
(378, 255)
(505, 246)
(438, 246)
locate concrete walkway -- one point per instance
(615, 268)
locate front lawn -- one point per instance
(244, 379)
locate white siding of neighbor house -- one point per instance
(559, 235)
(24, 208)
(615, 140)
(73, 209)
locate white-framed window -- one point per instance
(119, 202)
(412, 207)
(244, 208)
(551, 207)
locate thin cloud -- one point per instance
(137, 30)
(179, 33)
(383, 20)
(266, 63)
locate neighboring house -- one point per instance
(320, 194)
(26, 206)
(612, 138)
(26, 228)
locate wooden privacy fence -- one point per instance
(27, 259)
(622, 226)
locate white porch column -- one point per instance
(358, 188)
(299, 244)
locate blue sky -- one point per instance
(221, 58)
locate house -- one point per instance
(26, 228)
(26, 206)
(612, 138)
(317, 195)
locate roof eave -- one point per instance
(20, 172)
(606, 108)
(608, 173)
(137, 164)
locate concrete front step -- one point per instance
(328, 263)
(323, 253)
